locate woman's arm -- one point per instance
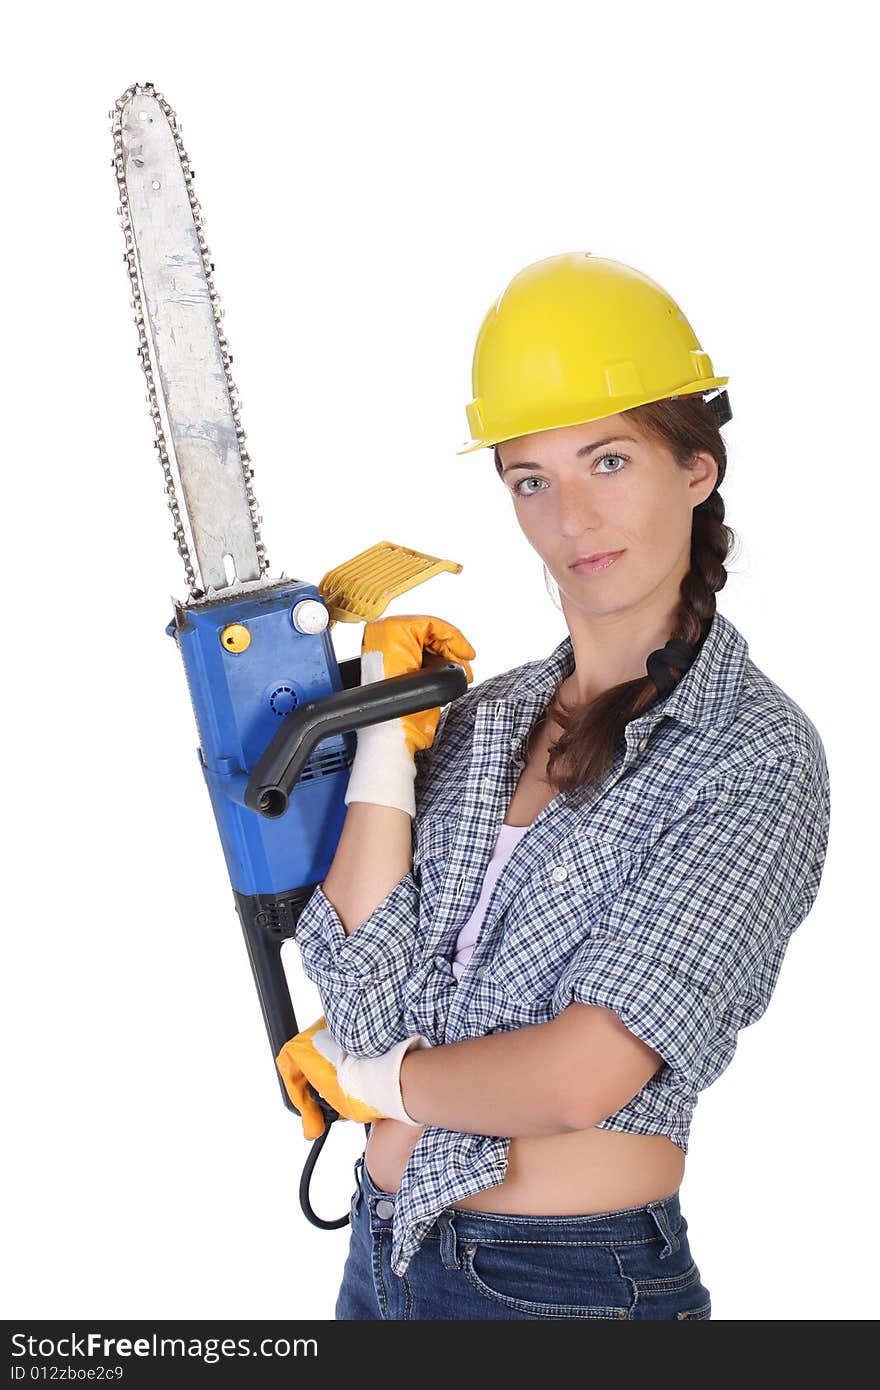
(547, 1078)
(360, 973)
(374, 854)
(357, 932)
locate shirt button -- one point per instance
(560, 872)
(642, 744)
(384, 1208)
(480, 971)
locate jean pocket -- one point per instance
(664, 1285)
(704, 1311)
(669, 1283)
(548, 1279)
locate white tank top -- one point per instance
(508, 838)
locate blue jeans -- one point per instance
(631, 1263)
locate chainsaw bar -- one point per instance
(193, 400)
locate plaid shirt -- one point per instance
(668, 894)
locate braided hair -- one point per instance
(593, 733)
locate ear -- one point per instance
(703, 477)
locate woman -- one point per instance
(613, 846)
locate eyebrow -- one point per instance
(581, 453)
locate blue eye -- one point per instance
(601, 459)
(517, 486)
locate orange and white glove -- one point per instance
(384, 769)
(359, 1088)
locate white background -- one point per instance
(372, 176)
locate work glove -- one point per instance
(359, 1088)
(384, 769)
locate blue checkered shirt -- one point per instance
(668, 893)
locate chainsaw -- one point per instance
(275, 711)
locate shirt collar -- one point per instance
(707, 694)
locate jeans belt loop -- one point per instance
(661, 1220)
(448, 1242)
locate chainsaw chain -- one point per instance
(130, 259)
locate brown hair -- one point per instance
(592, 732)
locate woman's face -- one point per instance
(605, 486)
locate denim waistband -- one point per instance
(634, 1224)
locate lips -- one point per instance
(600, 555)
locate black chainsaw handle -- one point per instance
(268, 920)
(278, 770)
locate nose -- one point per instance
(578, 509)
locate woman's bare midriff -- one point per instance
(579, 1173)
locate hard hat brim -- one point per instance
(690, 388)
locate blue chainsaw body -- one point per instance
(239, 699)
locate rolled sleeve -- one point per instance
(716, 898)
(662, 1008)
(360, 976)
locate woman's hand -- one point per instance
(399, 645)
(359, 1088)
(384, 767)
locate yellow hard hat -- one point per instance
(575, 337)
